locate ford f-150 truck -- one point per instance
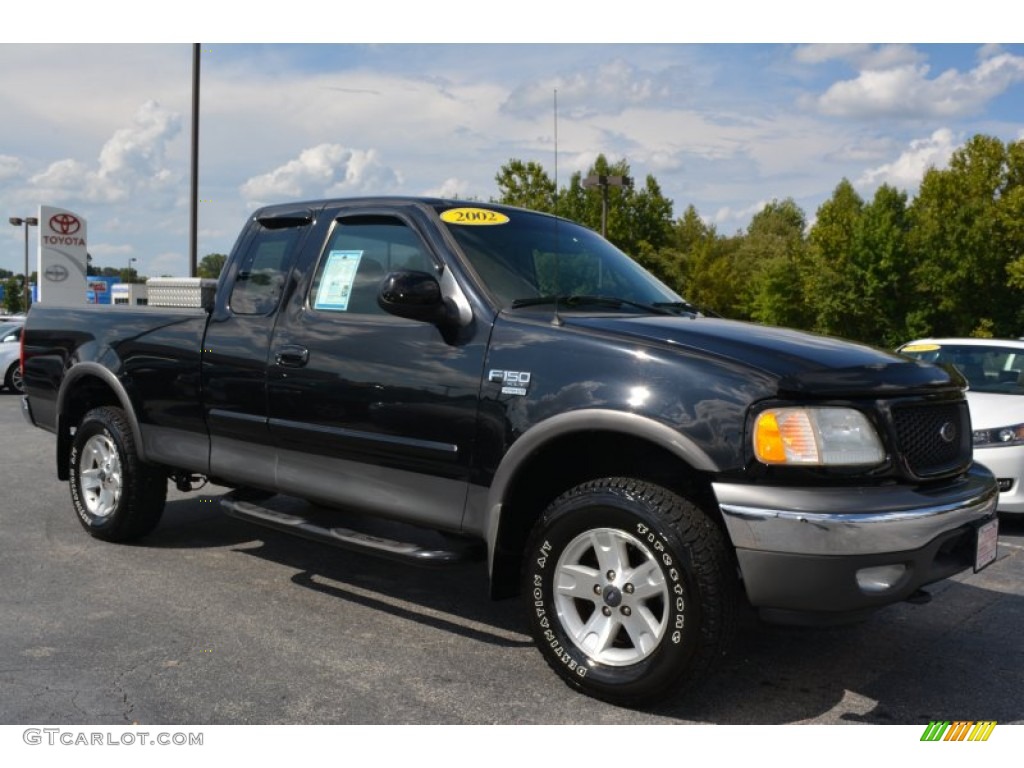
(511, 384)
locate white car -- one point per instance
(994, 369)
(10, 354)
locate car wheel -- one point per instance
(632, 593)
(116, 496)
(12, 379)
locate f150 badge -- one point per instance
(512, 382)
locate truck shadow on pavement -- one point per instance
(959, 657)
(453, 598)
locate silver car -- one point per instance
(10, 354)
(994, 369)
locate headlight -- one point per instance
(990, 438)
(809, 436)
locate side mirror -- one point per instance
(414, 295)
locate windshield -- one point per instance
(522, 256)
(986, 368)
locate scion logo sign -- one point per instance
(56, 273)
(64, 227)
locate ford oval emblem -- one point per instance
(948, 432)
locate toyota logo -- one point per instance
(948, 432)
(56, 274)
(65, 224)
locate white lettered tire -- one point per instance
(631, 591)
(116, 496)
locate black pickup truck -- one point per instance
(499, 383)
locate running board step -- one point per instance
(347, 538)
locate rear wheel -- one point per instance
(12, 379)
(632, 594)
(116, 496)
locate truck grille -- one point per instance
(933, 438)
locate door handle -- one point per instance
(292, 356)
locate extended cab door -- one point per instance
(369, 410)
(237, 345)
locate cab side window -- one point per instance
(361, 251)
(262, 271)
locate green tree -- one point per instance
(211, 265)
(526, 185)
(706, 262)
(882, 270)
(773, 255)
(639, 217)
(13, 299)
(966, 240)
(832, 280)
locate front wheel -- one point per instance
(116, 496)
(631, 591)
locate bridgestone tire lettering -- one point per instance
(632, 590)
(115, 495)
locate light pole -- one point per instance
(604, 182)
(128, 274)
(28, 221)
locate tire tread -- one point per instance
(716, 580)
(145, 486)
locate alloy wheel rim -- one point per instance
(102, 479)
(611, 597)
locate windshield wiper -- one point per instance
(579, 299)
(682, 307)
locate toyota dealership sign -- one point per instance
(62, 256)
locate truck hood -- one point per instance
(805, 364)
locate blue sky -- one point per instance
(103, 128)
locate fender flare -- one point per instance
(588, 420)
(67, 386)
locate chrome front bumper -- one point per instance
(852, 521)
(813, 555)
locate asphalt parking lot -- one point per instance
(211, 621)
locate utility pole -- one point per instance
(193, 261)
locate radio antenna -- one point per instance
(556, 151)
(556, 320)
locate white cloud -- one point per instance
(727, 215)
(606, 89)
(860, 55)
(450, 188)
(909, 168)
(907, 91)
(138, 151)
(818, 53)
(10, 167)
(130, 163)
(323, 170)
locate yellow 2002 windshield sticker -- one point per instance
(477, 217)
(920, 348)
